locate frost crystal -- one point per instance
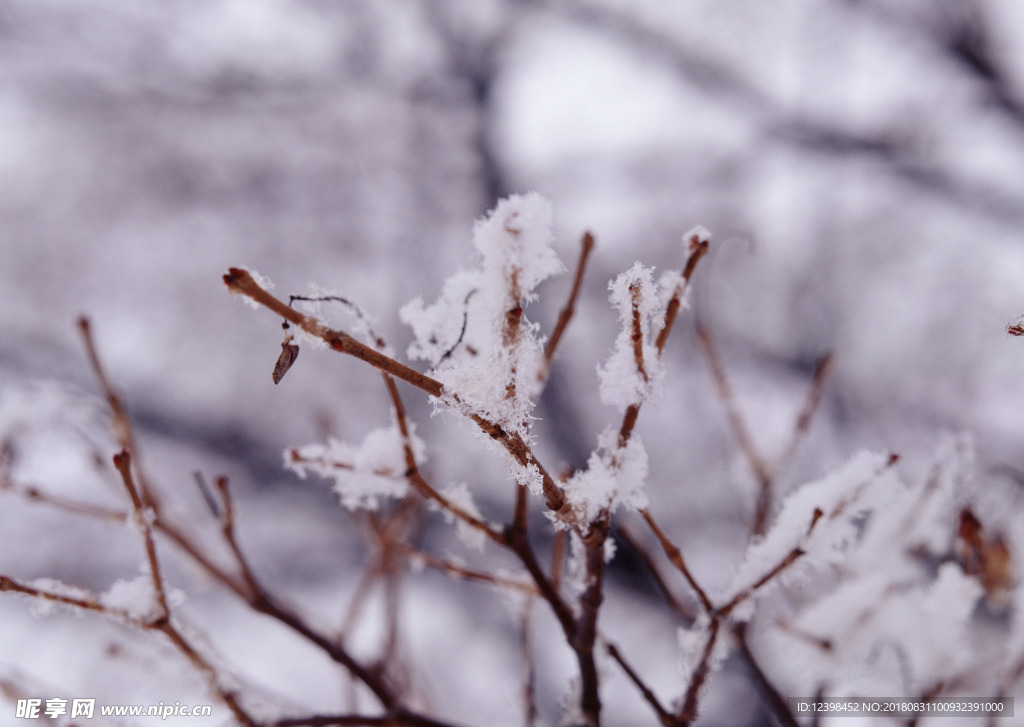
(362, 474)
(323, 304)
(633, 372)
(482, 348)
(822, 518)
(614, 476)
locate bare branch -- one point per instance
(566, 314)
(815, 392)
(240, 281)
(416, 479)
(143, 518)
(760, 468)
(688, 708)
(664, 716)
(675, 557)
(626, 536)
(697, 249)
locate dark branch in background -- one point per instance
(893, 149)
(758, 465)
(775, 702)
(764, 473)
(473, 63)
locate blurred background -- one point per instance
(859, 162)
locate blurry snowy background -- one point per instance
(860, 163)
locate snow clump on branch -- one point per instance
(632, 374)
(362, 474)
(481, 347)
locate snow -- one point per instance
(614, 477)
(460, 497)
(261, 280)
(485, 352)
(363, 474)
(134, 598)
(623, 380)
(868, 199)
(45, 606)
(820, 518)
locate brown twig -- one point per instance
(567, 312)
(762, 472)
(415, 477)
(86, 602)
(585, 633)
(143, 519)
(240, 281)
(36, 494)
(790, 558)
(697, 249)
(249, 589)
(769, 694)
(558, 557)
(626, 536)
(688, 708)
(530, 676)
(815, 392)
(664, 716)
(161, 624)
(457, 570)
(675, 557)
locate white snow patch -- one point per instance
(362, 474)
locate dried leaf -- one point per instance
(289, 352)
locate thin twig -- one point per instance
(415, 477)
(760, 468)
(675, 557)
(664, 716)
(143, 518)
(163, 625)
(530, 676)
(626, 536)
(775, 702)
(790, 558)
(84, 602)
(567, 312)
(240, 281)
(815, 392)
(688, 708)
(457, 570)
(249, 590)
(227, 524)
(585, 633)
(697, 249)
(558, 557)
(66, 504)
